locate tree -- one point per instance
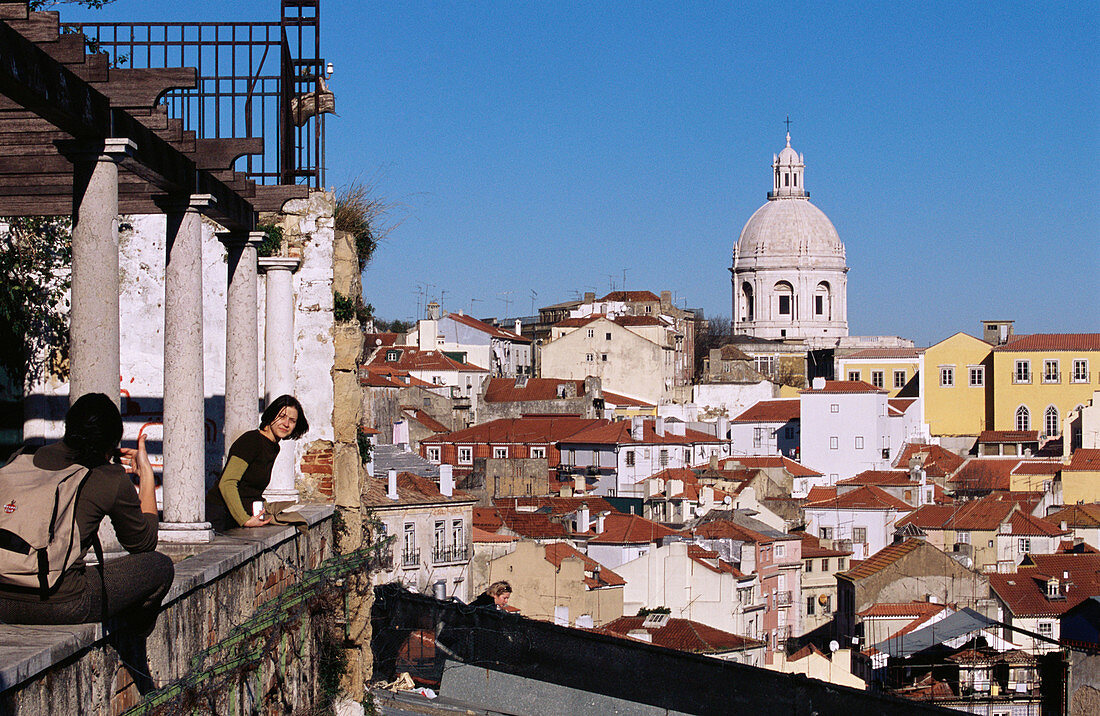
(710, 333)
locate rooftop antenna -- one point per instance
(624, 278)
(534, 293)
(472, 302)
(507, 300)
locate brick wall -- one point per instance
(316, 484)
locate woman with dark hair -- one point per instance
(248, 466)
(134, 585)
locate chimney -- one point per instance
(427, 334)
(722, 429)
(519, 327)
(659, 426)
(641, 634)
(579, 485)
(599, 522)
(401, 434)
(706, 495)
(566, 490)
(446, 480)
(666, 300)
(674, 487)
(433, 311)
(819, 383)
(636, 427)
(582, 518)
(391, 491)
(589, 297)
(714, 462)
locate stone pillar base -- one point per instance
(280, 495)
(185, 532)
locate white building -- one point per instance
(770, 427)
(862, 520)
(469, 340)
(789, 274)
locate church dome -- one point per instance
(789, 227)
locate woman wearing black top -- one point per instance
(247, 469)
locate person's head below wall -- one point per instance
(499, 591)
(277, 407)
(93, 428)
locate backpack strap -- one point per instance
(102, 579)
(44, 572)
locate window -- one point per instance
(591, 333)
(458, 534)
(977, 375)
(393, 356)
(784, 305)
(962, 537)
(834, 443)
(433, 454)
(465, 455)
(834, 408)
(1023, 418)
(409, 554)
(590, 357)
(687, 456)
(878, 378)
(840, 564)
(630, 458)
(825, 533)
(819, 305)
(603, 357)
(439, 539)
(947, 376)
(763, 364)
(1080, 371)
(538, 452)
(663, 458)
(1051, 428)
(1023, 372)
(809, 565)
(854, 375)
(827, 607)
(809, 606)
(607, 336)
(1051, 374)
(1046, 628)
(899, 378)
(500, 453)
(780, 552)
(788, 433)
(757, 437)
(859, 442)
(859, 534)
(1023, 545)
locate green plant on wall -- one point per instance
(363, 215)
(366, 448)
(273, 240)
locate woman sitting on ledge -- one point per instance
(133, 585)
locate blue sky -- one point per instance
(548, 147)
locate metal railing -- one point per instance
(410, 558)
(447, 554)
(783, 599)
(255, 80)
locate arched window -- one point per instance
(784, 301)
(823, 307)
(1023, 418)
(1051, 427)
(747, 308)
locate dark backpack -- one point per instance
(39, 539)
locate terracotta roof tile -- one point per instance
(867, 497)
(895, 478)
(480, 535)
(619, 528)
(1008, 436)
(557, 505)
(631, 297)
(1024, 592)
(898, 406)
(712, 561)
(881, 560)
(619, 400)
(1025, 524)
(511, 390)
(812, 549)
(728, 529)
(618, 432)
(732, 352)
(1052, 342)
(422, 417)
(484, 327)
(771, 411)
(1084, 460)
(533, 525)
(1044, 467)
(685, 635)
(845, 386)
(984, 474)
(886, 353)
(625, 321)
(906, 609)
(518, 431)
(772, 461)
(411, 490)
(1085, 515)
(934, 459)
(412, 358)
(558, 551)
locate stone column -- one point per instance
(93, 318)
(279, 361)
(184, 486)
(242, 343)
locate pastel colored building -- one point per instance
(955, 374)
(888, 368)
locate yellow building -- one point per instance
(955, 386)
(888, 368)
(1038, 379)
(1081, 478)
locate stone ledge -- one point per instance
(28, 650)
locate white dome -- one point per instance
(789, 156)
(791, 228)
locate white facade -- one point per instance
(789, 274)
(731, 399)
(485, 346)
(874, 528)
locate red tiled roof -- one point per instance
(425, 419)
(374, 340)
(1052, 342)
(846, 386)
(578, 322)
(1008, 436)
(488, 519)
(867, 497)
(1024, 592)
(1037, 467)
(622, 401)
(684, 635)
(935, 460)
(480, 535)
(558, 551)
(534, 525)
(820, 493)
(517, 431)
(411, 490)
(879, 477)
(885, 353)
(631, 297)
(771, 411)
(1085, 460)
(882, 559)
(728, 529)
(985, 514)
(413, 358)
(929, 516)
(493, 331)
(732, 352)
(712, 561)
(907, 609)
(509, 390)
(984, 474)
(760, 463)
(1025, 524)
(637, 321)
(900, 405)
(558, 505)
(619, 528)
(805, 651)
(617, 432)
(812, 549)
(1086, 515)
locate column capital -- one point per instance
(279, 263)
(241, 238)
(180, 203)
(112, 148)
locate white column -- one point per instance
(242, 343)
(184, 485)
(279, 361)
(94, 322)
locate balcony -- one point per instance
(410, 558)
(450, 554)
(783, 599)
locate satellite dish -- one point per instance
(833, 645)
(727, 500)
